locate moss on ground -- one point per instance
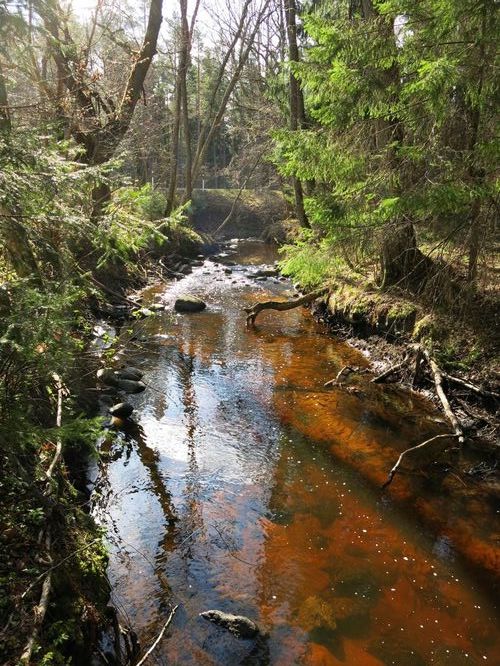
(457, 344)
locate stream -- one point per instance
(246, 486)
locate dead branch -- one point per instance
(471, 387)
(335, 380)
(438, 382)
(282, 306)
(229, 217)
(40, 609)
(419, 358)
(410, 450)
(390, 371)
(160, 636)
(56, 566)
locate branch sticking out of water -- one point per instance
(281, 306)
(410, 450)
(159, 637)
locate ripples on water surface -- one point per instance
(238, 491)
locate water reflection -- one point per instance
(240, 489)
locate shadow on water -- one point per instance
(247, 487)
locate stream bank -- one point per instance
(248, 487)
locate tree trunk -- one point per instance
(174, 148)
(476, 175)
(5, 124)
(402, 263)
(297, 110)
(213, 122)
(108, 119)
(13, 233)
(181, 112)
(101, 196)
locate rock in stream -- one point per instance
(239, 625)
(188, 303)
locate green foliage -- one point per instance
(402, 127)
(47, 192)
(309, 262)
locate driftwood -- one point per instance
(281, 306)
(410, 450)
(41, 608)
(159, 637)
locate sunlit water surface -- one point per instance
(240, 490)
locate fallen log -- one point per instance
(282, 306)
(438, 382)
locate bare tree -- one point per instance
(101, 120)
(181, 108)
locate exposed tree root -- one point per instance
(281, 306)
(410, 450)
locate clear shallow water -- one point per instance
(248, 487)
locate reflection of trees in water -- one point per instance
(193, 519)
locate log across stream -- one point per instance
(248, 487)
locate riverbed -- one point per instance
(248, 487)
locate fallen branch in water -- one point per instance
(282, 306)
(410, 450)
(334, 382)
(159, 637)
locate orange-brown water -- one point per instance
(249, 488)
